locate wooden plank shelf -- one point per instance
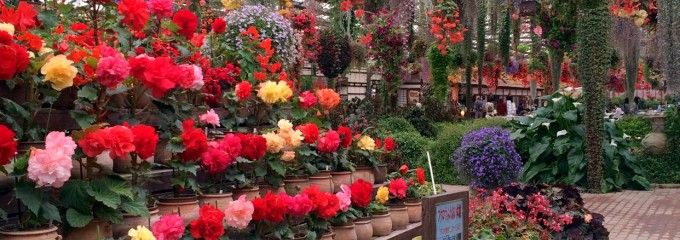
(412, 230)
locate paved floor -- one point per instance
(639, 214)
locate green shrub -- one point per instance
(636, 127)
(395, 125)
(412, 147)
(447, 141)
(663, 168)
(416, 116)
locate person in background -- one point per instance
(626, 106)
(520, 109)
(662, 107)
(502, 107)
(617, 112)
(479, 105)
(489, 107)
(636, 107)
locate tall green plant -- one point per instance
(552, 141)
(481, 41)
(438, 69)
(504, 36)
(593, 51)
(669, 36)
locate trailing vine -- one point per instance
(593, 50)
(481, 41)
(438, 69)
(335, 55)
(504, 36)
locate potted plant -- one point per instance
(343, 222)
(253, 148)
(386, 153)
(326, 206)
(219, 156)
(310, 157)
(381, 222)
(109, 196)
(362, 154)
(414, 202)
(281, 148)
(361, 198)
(397, 195)
(341, 164)
(36, 171)
(187, 150)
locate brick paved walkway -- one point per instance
(639, 214)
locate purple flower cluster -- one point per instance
(487, 158)
(269, 23)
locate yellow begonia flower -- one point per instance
(366, 143)
(141, 233)
(274, 142)
(285, 125)
(382, 195)
(269, 92)
(231, 4)
(7, 27)
(59, 72)
(288, 156)
(286, 92)
(293, 138)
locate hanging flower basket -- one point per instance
(528, 7)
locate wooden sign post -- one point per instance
(445, 216)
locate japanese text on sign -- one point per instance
(449, 220)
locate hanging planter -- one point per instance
(528, 7)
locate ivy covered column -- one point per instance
(593, 67)
(669, 36)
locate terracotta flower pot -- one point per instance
(345, 231)
(327, 236)
(399, 215)
(365, 173)
(162, 154)
(380, 175)
(264, 188)
(41, 234)
(123, 165)
(323, 180)
(295, 184)
(186, 206)
(340, 178)
(415, 210)
(96, 229)
(132, 221)
(251, 193)
(219, 200)
(363, 228)
(381, 223)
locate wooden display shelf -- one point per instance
(412, 230)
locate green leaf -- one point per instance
(14, 108)
(108, 214)
(50, 212)
(49, 19)
(20, 166)
(536, 150)
(83, 118)
(101, 192)
(29, 195)
(88, 92)
(74, 195)
(571, 115)
(298, 113)
(174, 147)
(278, 167)
(77, 219)
(137, 208)
(184, 51)
(119, 185)
(517, 135)
(3, 214)
(260, 172)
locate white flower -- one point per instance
(547, 124)
(613, 143)
(561, 133)
(569, 89)
(557, 99)
(530, 116)
(576, 104)
(626, 136)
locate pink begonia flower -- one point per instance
(161, 8)
(168, 227)
(210, 117)
(59, 142)
(239, 213)
(538, 30)
(48, 168)
(112, 71)
(345, 197)
(298, 205)
(198, 82)
(232, 145)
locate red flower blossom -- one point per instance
(403, 169)
(145, 140)
(159, 76)
(23, 17)
(398, 188)
(310, 132)
(187, 22)
(346, 136)
(244, 90)
(361, 193)
(214, 160)
(275, 67)
(121, 140)
(420, 176)
(135, 13)
(219, 25)
(345, 6)
(276, 207)
(34, 42)
(59, 29)
(389, 144)
(194, 140)
(209, 224)
(260, 76)
(78, 27)
(13, 58)
(327, 205)
(7, 144)
(365, 40)
(359, 13)
(308, 100)
(253, 146)
(260, 209)
(266, 45)
(378, 143)
(252, 31)
(162, 8)
(94, 143)
(328, 143)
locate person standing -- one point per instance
(502, 107)
(479, 105)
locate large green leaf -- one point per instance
(48, 18)
(137, 208)
(88, 92)
(119, 185)
(29, 195)
(278, 167)
(74, 195)
(536, 150)
(50, 212)
(102, 193)
(78, 219)
(83, 118)
(108, 214)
